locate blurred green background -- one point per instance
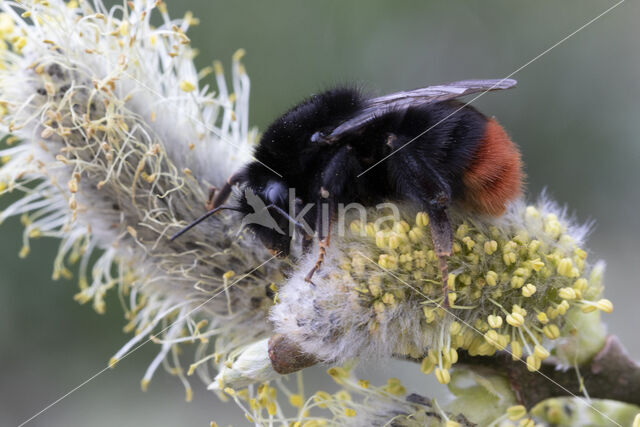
(574, 114)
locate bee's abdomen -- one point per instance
(494, 176)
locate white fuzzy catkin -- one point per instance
(379, 291)
(115, 144)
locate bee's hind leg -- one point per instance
(442, 237)
(418, 181)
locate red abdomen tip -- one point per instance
(494, 176)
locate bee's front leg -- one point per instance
(212, 193)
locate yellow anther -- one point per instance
(580, 284)
(491, 278)
(389, 299)
(272, 409)
(455, 328)
(503, 341)
(19, 44)
(516, 350)
(394, 241)
(338, 373)
(452, 296)
(528, 290)
(516, 412)
(416, 235)
(490, 247)
(363, 383)
(187, 86)
(531, 212)
(378, 307)
(540, 352)
(452, 356)
(422, 219)
(296, 400)
(451, 423)
(565, 267)
(517, 309)
(395, 387)
(605, 305)
(401, 227)
(533, 363)
(542, 318)
(509, 258)
(527, 422)
(469, 243)
(552, 226)
(563, 307)
(349, 412)
(580, 253)
(321, 396)
(533, 246)
(443, 376)
(515, 319)
(495, 321)
(427, 365)
(522, 237)
(551, 331)
(124, 28)
(238, 54)
(24, 251)
(536, 264)
(517, 282)
(491, 337)
(451, 282)
(567, 293)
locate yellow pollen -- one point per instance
(187, 86)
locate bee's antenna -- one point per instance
(286, 215)
(200, 219)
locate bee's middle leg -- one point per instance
(323, 240)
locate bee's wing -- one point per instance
(413, 98)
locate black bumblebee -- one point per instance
(340, 146)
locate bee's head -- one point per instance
(263, 206)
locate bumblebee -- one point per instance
(422, 146)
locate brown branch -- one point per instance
(611, 374)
